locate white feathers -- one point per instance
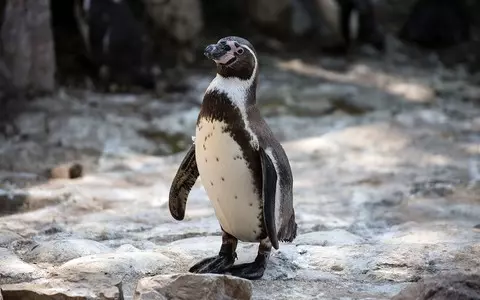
(278, 192)
(237, 90)
(227, 180)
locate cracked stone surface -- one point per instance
(386, 187)
(184, 286)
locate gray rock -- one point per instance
(114, 266)
(60, 251)
(127, 248)
(193, 286)
(336, 259)
(55, 289)
(93, 133)
(271, 14)
(32, 123)
(14, 270)
(28, 45)
(181, 19)
(301, 21)
(201, 246)
(336, 237)
(12, 201)
(443, 287)
(353, 177)
(177, 123)
(7, 236)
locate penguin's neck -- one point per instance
(242, 93)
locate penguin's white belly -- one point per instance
(227, 181)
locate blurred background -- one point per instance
(377, 103)
(143, 59)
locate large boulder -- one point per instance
(180, 20)
(28, 45)
(272, 16)
(193, 286)
(455, 286)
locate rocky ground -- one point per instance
(386, 164)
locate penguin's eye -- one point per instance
(240, 51)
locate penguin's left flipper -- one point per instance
(182, 183)
(269, 187)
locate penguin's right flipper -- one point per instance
(269, 189)
(183, 182)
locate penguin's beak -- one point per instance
(220, 53)
(214, 51)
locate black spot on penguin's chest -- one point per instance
(216, 106)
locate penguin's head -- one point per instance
(234, 56)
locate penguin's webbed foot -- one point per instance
(254, 270)
(223, 261)
(218, 264)
(250, 271)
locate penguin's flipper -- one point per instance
(269, 175)
(183, 182)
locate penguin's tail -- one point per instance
(289, 232)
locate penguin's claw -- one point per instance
(217, 265)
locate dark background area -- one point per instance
(172, 36)
(154, 48)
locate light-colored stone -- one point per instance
(336, 237)
(127, 248)
(93, 133)
(32, 123)
(7, 236)
(55, 289)
(383, 195)
(60, 251)
(114, 265)
(67, 171)
(182, 122)
(455, 286)
(193, 286)
(13, 269)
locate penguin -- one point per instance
(243, 168)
